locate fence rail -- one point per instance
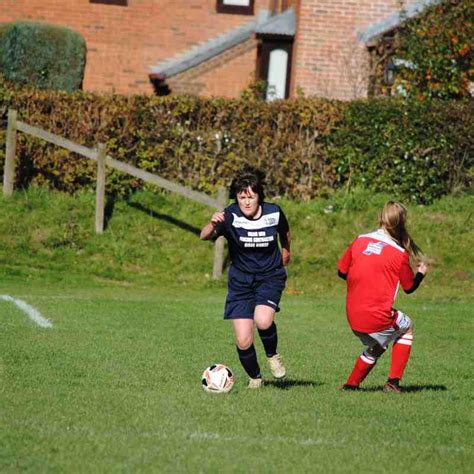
(100, 156)
(118, 165)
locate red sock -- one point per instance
(400, 355)
(362, 367)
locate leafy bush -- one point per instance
(433, 53)
(45, 56)
(307, 146)
(419, 150)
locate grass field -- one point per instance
(114, 384)
(152, 239)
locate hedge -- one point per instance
(42, 55)
(308, 147)
(414, 149)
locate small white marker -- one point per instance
(31, 312)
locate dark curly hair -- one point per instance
(248, 177)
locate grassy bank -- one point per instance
(152, 239)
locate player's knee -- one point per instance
(375, 351)
(264, 316)
(263, 324)
(244, 342)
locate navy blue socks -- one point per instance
(248, 359)
(269, 339)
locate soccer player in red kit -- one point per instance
(374, 266)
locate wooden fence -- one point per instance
(100, 156)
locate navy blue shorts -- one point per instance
(245, 291)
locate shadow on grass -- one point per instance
(422, 388)
(109, 209)
(287, 384)
(166, 218)
(410, 388)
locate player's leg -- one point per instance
(268, 291)
(267, 330)
(266, 327)
(365, 362)
(243, 329)
(401, 350)
(240, 307)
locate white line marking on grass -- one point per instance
(199, 436)
(31, 312)
(265, 439)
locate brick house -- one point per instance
(218, 47)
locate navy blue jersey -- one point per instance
(253, 243)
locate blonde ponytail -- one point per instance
(393, 220)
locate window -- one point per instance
(277, 70)
(274, 65)
(238, 7)
(122, 3)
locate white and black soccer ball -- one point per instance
(217, 378)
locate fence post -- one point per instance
(100, 189)
(10, 155)
(219, 244)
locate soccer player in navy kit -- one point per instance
(257, 275)
(374, 266)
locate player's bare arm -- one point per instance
(209, 230)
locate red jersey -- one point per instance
(375, 265)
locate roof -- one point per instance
(282, 24)
(370, 33)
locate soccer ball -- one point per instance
(217, 379)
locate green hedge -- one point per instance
(43, 55)
(308, 147)
(421, 150)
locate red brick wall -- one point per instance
(329, 61)
(225, 75)
(123, 42)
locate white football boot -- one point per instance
(276, 366)
(255, 383)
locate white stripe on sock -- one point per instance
(367, 359)
(405, 342)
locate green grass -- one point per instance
(152, 239)
(114, 385)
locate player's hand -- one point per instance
(422, 268)
(216, 218)
(285, 255)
